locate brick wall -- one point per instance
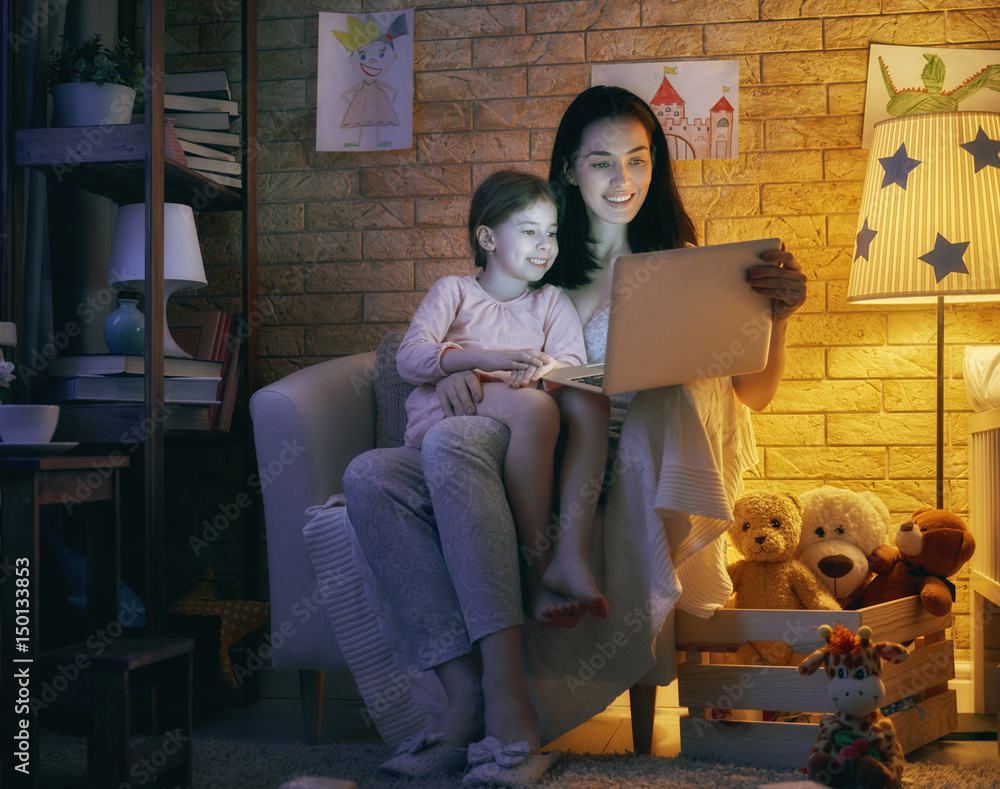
(351, 241)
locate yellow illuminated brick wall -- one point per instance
(351, 241)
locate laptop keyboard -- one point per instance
(593, 380)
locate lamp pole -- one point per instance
(939, 460)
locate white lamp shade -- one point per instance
(8, 334)
(182, 263)
(929, 223)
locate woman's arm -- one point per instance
(780, 277)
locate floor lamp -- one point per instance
(929, 224)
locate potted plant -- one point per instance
(93, 85)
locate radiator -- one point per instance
(984, 492)
(984, 569)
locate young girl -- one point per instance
(512, 332)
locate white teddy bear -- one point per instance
(844, 539)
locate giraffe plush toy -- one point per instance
(857, 745)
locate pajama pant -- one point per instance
(436, 529)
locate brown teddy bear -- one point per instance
(932, 545)
(766, 532)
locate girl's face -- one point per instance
(524, 246)
(371, 60)
(613, 168)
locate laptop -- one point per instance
(680, 315)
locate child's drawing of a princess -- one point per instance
(371, 55)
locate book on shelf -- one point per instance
(119, 364)
(204, 165)
(179, 103)
(232, 361)
(128, 388)
(223, 180)
(203, 121)
(125, 422)
(212, 84)
(196, 149)
(189, 417)
(210, 121)
(218, 139)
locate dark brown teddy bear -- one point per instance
(932, 545)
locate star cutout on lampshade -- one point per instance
(864, 241)
(946, 258)
(985, 152)
(897, 167)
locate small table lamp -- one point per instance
(929, 224)
(182, 263)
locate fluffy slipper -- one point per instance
(425, 754)
(506, 765)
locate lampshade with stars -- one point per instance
(929, 223)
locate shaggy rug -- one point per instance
(222, 764)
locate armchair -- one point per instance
(308, 426)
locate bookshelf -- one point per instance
(126, 163)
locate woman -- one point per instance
(423, 527)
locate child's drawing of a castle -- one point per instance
(693, 138)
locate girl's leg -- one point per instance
(586, 417)
(532, 417)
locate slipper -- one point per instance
(506, 765)
(425, 754)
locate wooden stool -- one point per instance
(164, 759)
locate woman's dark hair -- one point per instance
(661, 223)
(504, 193)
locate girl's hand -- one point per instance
(459, 392)
(779, 276)
(506, 359)
(531, 375)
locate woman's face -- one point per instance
(613, 168)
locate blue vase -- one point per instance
(125, 329)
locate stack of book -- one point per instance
(190, 386)
(199, 393)
(202, 106)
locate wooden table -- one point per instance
(26, 485)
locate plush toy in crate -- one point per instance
(844, 540)
(856, 746)
(766, 531)
(932, 545)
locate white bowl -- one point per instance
(28, 424)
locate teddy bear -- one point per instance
(844, 540)
(931, 546)
(766, 530)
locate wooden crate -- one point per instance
(703, 686)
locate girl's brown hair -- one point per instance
(504, 193)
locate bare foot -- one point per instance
(571, 578)
(548, 607)
(556, 610)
